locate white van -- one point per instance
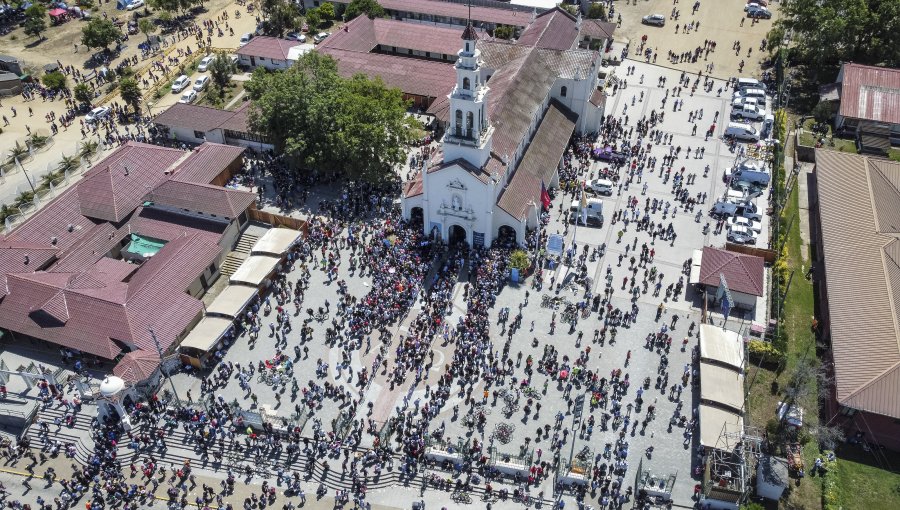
(594, 211)
(601, 186)
(742, 131)
(759, 94)
(749, 83)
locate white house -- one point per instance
(270, 52)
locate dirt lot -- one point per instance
(61, 39)
(720, 21)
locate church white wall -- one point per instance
(502, 217)
(454, 197)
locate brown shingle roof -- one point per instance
(744, 273)
(540, 161)
(553, 29)
(859, 214)
(193, 117)
(267, 47)
(215, 200)
(511, 17)
(206, 162)
(596, 29)
(137, 366)
(357, 35)
(412, 76)
(871, 93)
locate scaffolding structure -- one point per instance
(654, 490)
(731, 464)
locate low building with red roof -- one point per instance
(130, 247)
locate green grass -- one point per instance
(864, 485)
(808, 138)
(765, 392)
(210, 98)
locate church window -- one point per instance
(563, 91)
(458, 123)
(466, 84)
(469, 124)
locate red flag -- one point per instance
(545, 197)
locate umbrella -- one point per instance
(563, 374)
(56, 12)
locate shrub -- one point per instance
(765, 353)
(519, 260)
(831, 493)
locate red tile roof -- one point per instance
(165, 225)
(206, 162)
(596, 29)
(267, 47)
(238, 122)
(743, 273)
(515, 18)
(215, 200)
(193, 117)
(414, 187)
(113, 188)
(137, 366)
(412, 76)
(417, 36)
(871, 93)
(357, 35)
(554, 29)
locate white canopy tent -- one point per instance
(721, 346)
(232, 301)
(206, 333)
(721, 385)
(255, 270)
(276, 241)
(714, 421)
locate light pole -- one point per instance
(160, 352)
(22, 167)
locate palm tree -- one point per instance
(88, 149)
(68, 164)
(18, 152)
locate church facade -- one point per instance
(509, 119)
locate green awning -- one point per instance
(144, 246)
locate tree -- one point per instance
(220, 71)
(370, 8)
(313, 17)
(54, 80)
(358, 126)
(326, 10)
(597, 11)
(280, 16)
(504, 32)
(147, 27)
(571, 9)
(100, 33)
(130, 92)
(36, 20)
(827, 33)
(83, 93)
(822, 112)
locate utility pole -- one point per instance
(163, 372)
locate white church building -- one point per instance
(509, 120)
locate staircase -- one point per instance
(236, 257)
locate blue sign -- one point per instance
(514, 275)
(478, 239)
(555, 244)
(726, 307)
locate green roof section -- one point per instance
(144, 246)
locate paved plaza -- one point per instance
(528, 411)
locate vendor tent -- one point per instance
(721, 346)
(276, 241)
(206, 333)
(722, 386)
(254, 270)
(714, 421)
(57, 12)
(232, 301)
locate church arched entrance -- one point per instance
(506, 235)
(416, 217)
(456, 235)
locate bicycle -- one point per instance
(461, 497)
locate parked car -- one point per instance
(739, 101)
(755, 3)
(749, 111)
(654, 19)
(296, 36)
(204, 64)
(135, 4)
(321, 36)
(741, 235)
(201, 83)
(245, 39)
(747, 223)
(98, 113)
(180, 83)
(759, 12)
(601, 187)
(188, 97)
